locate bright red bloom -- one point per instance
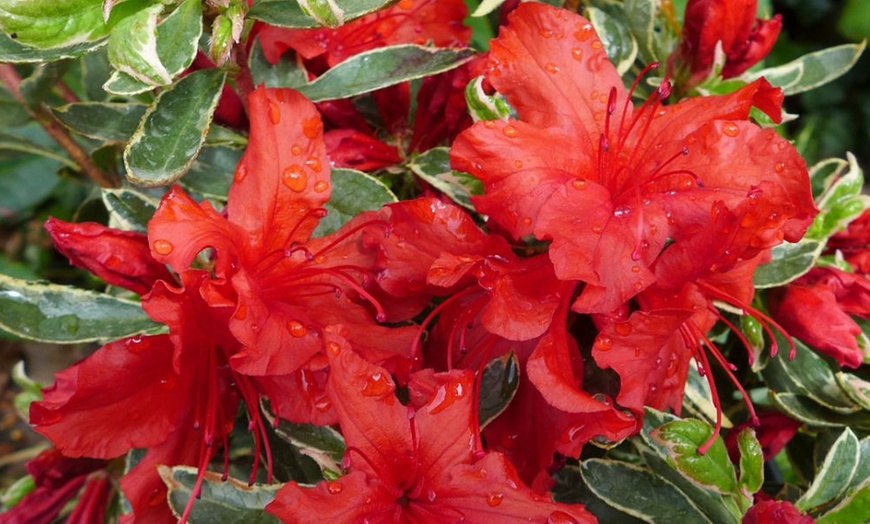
(412, 463)
(612, 185)
(59, 479)
(818, 308)
(854, 243)
(775, 512)
(288, 286)
(745, 39)
(774, 430)
(121, 258)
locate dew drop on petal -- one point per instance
(779, 167)
(518, 164)
(510, 131)
(321, 186)
(579, 184)
(296, 328)
(577, 53)
(604, 342)
(334, 348)
(494, 499)
(241, 172)
(311, 127)
(334, 487)
(583, 33)
(635, 269)
(313, 163)
(551, 68)
(274, 113)
(294, 178)
(50, 417)
(730, 129)
(560, 517)
(296, 150)
(623, 328)
(377, 385)
(489, 124)
(162, 247)
(446, 396)
(622, 211)
(431, 495)
(597, 229)
(527, 221)
(597, 44)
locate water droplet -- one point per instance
(623, 328)
(594, 95)
(779, 167)
(294, 178)
(510, 131)
(598, 116)
(597, 44)
(652, 388)
(323, 405)
(167, 382)
(579, 184)
(312, 127)
(546, 33)
(597, 229)
(162, 247)
(622, 211)
(518, 164)
(296, 150)
(638, 286)
(730, 129)
(334, 487)
(446, 396)
(551, 68)
(489, 124)
(49, 418)
(494, 499)
(604, 342)
(313, 163)
(602, 98)
(241, 172)
(321, 186)
(635, 269)
(274, 113)
(527, 221)
(334, 348)
(560, 517)
(583, 33)
(577, 53)
(242, 312)
(296, 328)
(431, 495)
(377, 385)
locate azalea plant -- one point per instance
(376, 261)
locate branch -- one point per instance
(12, 81)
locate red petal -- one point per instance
(490, 490)
(355, 150)
(552, 68)
(350, 499)
(284, 174)
(126, 395)
(372, 419)
(121, 258)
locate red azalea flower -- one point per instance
(775, 512)
(745, 40)
(414, 462)
(774, 431)
(611, 184)
(288, 285)
(854, 243)
(59, 479)
(818, 308)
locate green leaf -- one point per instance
(222, 136)
(30, 390)
(229, 501)
(9, 142)
(751, 463)
(212, 172)
(326, 12)
(855, 388)
(639, 492)
(37, 86)
(486, 7)
(841, 202)
(812, 70)
(61, 314)
(13, 52)
(286, 73)
(809, 375)
(322, 444)
(853, 509)
(129, 209)
(433, 166)
(25, 181)
(133, 47)
(498, 385)
(482, 106)
(697, 399)
(106, 121)
(125, 85)
(352, 193)
(835, 473)
(619, 43)
(17, 491)
(641, 16)
(173, 130)
(50, 23)
(287, 13)
(788, 262)
(804, 409)
(683, 438)
(382, 67)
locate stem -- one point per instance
(12, 81)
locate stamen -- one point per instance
(415, 346)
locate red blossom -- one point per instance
(775, 512)
(610, 184)
(854, 243)
(745, 40)
(774, 431)
(414, 462)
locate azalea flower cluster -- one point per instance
(612, 231)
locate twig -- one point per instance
(12, 81)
